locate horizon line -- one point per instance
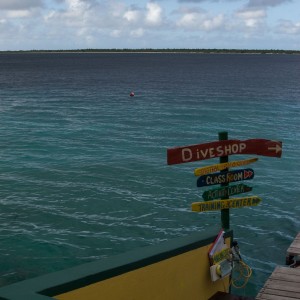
(206, 50)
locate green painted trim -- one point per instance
(47, 286)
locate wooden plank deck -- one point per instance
(293, 252)
(284, 283)
(294, 248)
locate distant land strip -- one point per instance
(150, 50)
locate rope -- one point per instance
(239, 268)
(243, 271)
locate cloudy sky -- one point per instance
(78, 24)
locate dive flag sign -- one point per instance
(224, 204)
(225, 177)
(226, 191)
(222, 166)
(221, 148)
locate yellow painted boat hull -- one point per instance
(176, 269)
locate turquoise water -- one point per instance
(84, 171)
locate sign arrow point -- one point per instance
(277, 148)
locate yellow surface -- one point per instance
(221, 255)
(184, 276)
(219, 167)
(227, 203)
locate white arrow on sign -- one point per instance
(277, 148)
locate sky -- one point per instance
(156, 24)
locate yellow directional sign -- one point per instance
(227, 203)
(220, 167)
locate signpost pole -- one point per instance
(224, 159)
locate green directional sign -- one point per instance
(226, 191)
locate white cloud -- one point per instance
(188, 20)
(288, 27)
(132, 16)
(14, 14)
(252, 18)
(214, 22)
(76, 5)
(154, 14)
(62, 24)
(252, 14)
(113, 8)
(199, 20)
(115, 33)
(137, 33)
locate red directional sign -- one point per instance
(223, 148)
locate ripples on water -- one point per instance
(83, 165)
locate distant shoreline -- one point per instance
(147, 51)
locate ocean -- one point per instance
(83, 168)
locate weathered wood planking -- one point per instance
(283, 284)
(294, 248)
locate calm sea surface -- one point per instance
(83, 168)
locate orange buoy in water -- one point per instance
(131, 94)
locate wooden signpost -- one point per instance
(223, 166)
(225, 177)
(222, 149)
(226, 191)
